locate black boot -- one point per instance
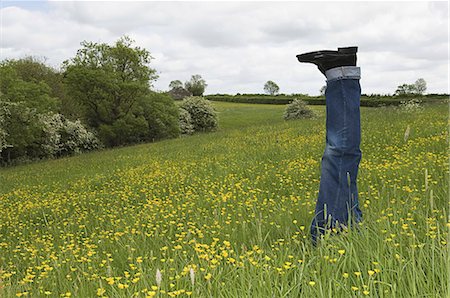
(326, 60)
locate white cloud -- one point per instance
(237, 47)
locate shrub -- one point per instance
(161, 114)
(410, 105)
(22, 132)
(185, 121)
(126, 130)
(65, 137)
(27, 135)
(297, 109)
(203, 114)
(153, 117)
(4, 113)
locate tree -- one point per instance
(196, 85)
(25, 81)
(420, 86)
(405, 89)
(161, 114)
(271, 88)
(175, 84)
(177, 91)
(109, 80)
(113, 84)
(33, 69)
(30, 94)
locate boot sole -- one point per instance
(348, 50)
(312, 56)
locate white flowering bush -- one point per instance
(411, 105)
(297, 109)
(185, 120)
(202, 113)
(4, 113)
(64, 137)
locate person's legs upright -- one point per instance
(337, 203)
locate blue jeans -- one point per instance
(337, 204)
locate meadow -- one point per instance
(227, 214)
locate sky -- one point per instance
(238, 46)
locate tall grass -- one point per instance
(233, 208)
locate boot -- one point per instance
(326, 59)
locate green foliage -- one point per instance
(280, 99)
(109, 80)
(283, 99)
(31, 95)
(196, 85)
(248, 191)
(186, 126)
(297, 109)
(161, 114)
(18, 86)
(22, 131)
(126, 130)
(26, 134)
(64, 137)
(418, 88)
(112, 83)
(203, 115)
(175, 84)
(4, 113)
(271, 88)
(31, 69)
(405, 89)
(153, 117)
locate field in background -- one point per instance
(226, 214)
(366, 100)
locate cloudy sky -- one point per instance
(238, 46)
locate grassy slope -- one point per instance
(253, 182)
(232, 116)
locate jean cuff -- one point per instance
(343, 72)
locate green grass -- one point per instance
(235, 205)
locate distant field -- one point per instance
(235, 206)
(366, 100)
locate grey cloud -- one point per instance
(237, 46)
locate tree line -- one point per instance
(101, 97)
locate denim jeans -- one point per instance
(337, 204)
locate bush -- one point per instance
(27, 135)
(185, 120)
(297, 109)
(4, 113)
(154, 117)
(22, 131)
(65, 137)
(411, 105)
(203, 115)
(161, 114)
(126, 130)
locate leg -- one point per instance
(337, 203)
